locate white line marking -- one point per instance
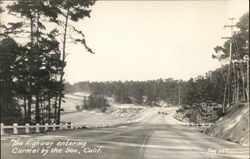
(141, 152)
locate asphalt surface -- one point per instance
(159, 136)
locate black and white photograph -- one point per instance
(124, 79)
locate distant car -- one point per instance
(166, 113)
(159, 112)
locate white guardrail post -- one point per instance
(27, 128)
(54, 127)
(46, 126)
(37, 128)
(66, 126)
(15, 130)
(197, 125)
(2, 129)
(60, 126)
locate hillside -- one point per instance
(234, 126)
(115, 114)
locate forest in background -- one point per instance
(32, 69)
(196, 94)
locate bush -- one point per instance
(94, 102)
(78, 107)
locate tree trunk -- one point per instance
(38, 112)
(62, 70)
(25, 108)
(37, 108)
(225, 96)
(243, 82)
(29, 107)
(235, 85)
(42, 104)
(238, 87)
(248, 68)
(49, 110)
(29, 78)
(55, 111)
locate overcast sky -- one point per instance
(142, 40)
(151, 39)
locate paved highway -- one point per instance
(159, 136)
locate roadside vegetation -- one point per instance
(203, 99)
(93, 102)
(33, 57)
(234, 126)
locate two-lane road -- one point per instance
(159, 136)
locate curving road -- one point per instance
(159, 136)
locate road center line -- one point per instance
(141, 152)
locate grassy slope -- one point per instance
(234, 126)
(117, 113)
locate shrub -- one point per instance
(93, 102)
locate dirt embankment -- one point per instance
(234, 126)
